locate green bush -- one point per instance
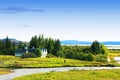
(38, 52)
(28, 55)
(101, 58)
(90, 57)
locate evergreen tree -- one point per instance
(7, 43)
(53, 46)
(21, 45)
(50, 46)
(95, 47)
(57, 47)
(1, 45)
(34, 42)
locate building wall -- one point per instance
(18, 54)
(44, 52)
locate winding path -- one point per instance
(21, 72)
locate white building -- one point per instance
(19, 52)
(44, 52)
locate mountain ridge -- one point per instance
(75, 42)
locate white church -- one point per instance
(19, 52)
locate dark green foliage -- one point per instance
(104, 49)
(57, 47)
(28, 55)
(101, 58)
(34, 42)
(84, 56)
(50, 56)
(70, 54)
(38, 52)
(76, 52)
(1, 45)
(21, 45)
(95, 47)
(90, 57)
(7, 47)
(53, 46)
(84, 53)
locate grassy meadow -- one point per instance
(7, 61)
(17, 62)
(75, 75)
(113, 53)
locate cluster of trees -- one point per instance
(7, 47)
(52, 46)
(76, 52)
(97, 48)
(96, 51)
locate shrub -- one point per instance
(28, 55)
(90, 57)
(38, 52)
(50, 56)
(101, 58)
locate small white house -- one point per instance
(19, 52)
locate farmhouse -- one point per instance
(19, 52)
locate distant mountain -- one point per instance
(76, 42)
(111, 43)
(13, 40)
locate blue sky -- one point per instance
(85, 20)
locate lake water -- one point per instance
(21, 72)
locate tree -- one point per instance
(57, 47)
(95, 47)
(50, 46)
(8, 48)
(104, 50)
(38, 52)
(53, 46)
(21, 45)
(7, 43)
(1, 45)
(34, 42)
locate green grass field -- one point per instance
(16, 62)
(113, 53)
(75, 75)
